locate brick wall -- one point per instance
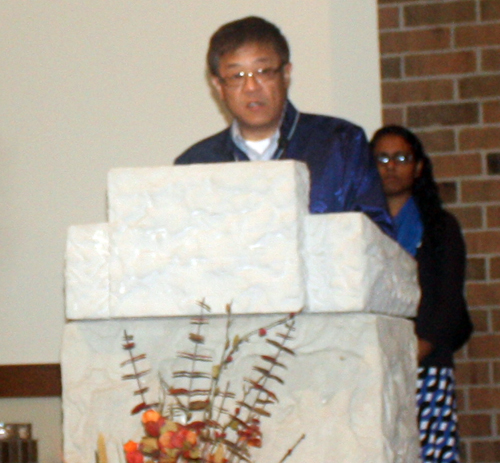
(441, 77)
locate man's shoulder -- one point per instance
(210, 149)
(334, 133)
(322, 121)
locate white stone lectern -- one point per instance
(241, 233)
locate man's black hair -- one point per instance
(231, 36)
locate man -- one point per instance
(249, 63)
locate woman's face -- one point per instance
(396, 164)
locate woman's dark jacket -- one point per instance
(442, 316)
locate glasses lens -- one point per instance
(383, 159)
(403, 158)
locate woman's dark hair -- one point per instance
(231, 36)
(425, 189)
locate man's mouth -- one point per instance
(255, 105)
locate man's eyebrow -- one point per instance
(262, 60)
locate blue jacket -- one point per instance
(344, 176)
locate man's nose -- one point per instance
(251, 83)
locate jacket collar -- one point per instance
(288, 125)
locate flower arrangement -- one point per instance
(204, 421)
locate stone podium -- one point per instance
(240, 233)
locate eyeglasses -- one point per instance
(397, 158)
(262, 76)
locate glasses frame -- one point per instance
(398, 158)
(261, 76)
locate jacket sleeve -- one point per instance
(443, 318)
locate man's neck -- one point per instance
(257, 134)
(252, 154)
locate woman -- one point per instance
(442, 324)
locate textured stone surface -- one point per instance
(353, 267)
(231, 232)
(350, 388)
(87, 271)
(217, 232)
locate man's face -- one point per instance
(257, 106)
(397, 177)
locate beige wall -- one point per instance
(45, 416)
(87, 86)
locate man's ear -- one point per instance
(218, 86)
(287, 74)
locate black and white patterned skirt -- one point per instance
(437, 415)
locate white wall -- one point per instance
(90, 85)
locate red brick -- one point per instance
(388, 18)
(448, 192)
(496, 372)
(485, 451)
(416, 91)
(439, 13)
(493, 216)
(440, 63)
(460, 354)
(483, 242)
(418, 40)
(493, 163)
(463, 445)
(472, 373)
(495, 325)
(470, 36)
(495, 268)
(480, 190)
(469, 217)
(479, 138)
(475, 425)
(483, 294)
(390, 68)
(484, 398)
(491, 111)
(479, 86)
(490, 59)
(393, 116)
(476, 268)
(454, 165)
(438, 141)
(443, 114)
(479, 320)
(484, 346)
(490, 10)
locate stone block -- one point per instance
(87, 272)
(218, 232)
(350, 387)
(353, 267)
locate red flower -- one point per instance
(182, 438)
(262, 332)
(153, 428)
(150, 415)
(132, 452)
(134, 457)
(130, 446)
